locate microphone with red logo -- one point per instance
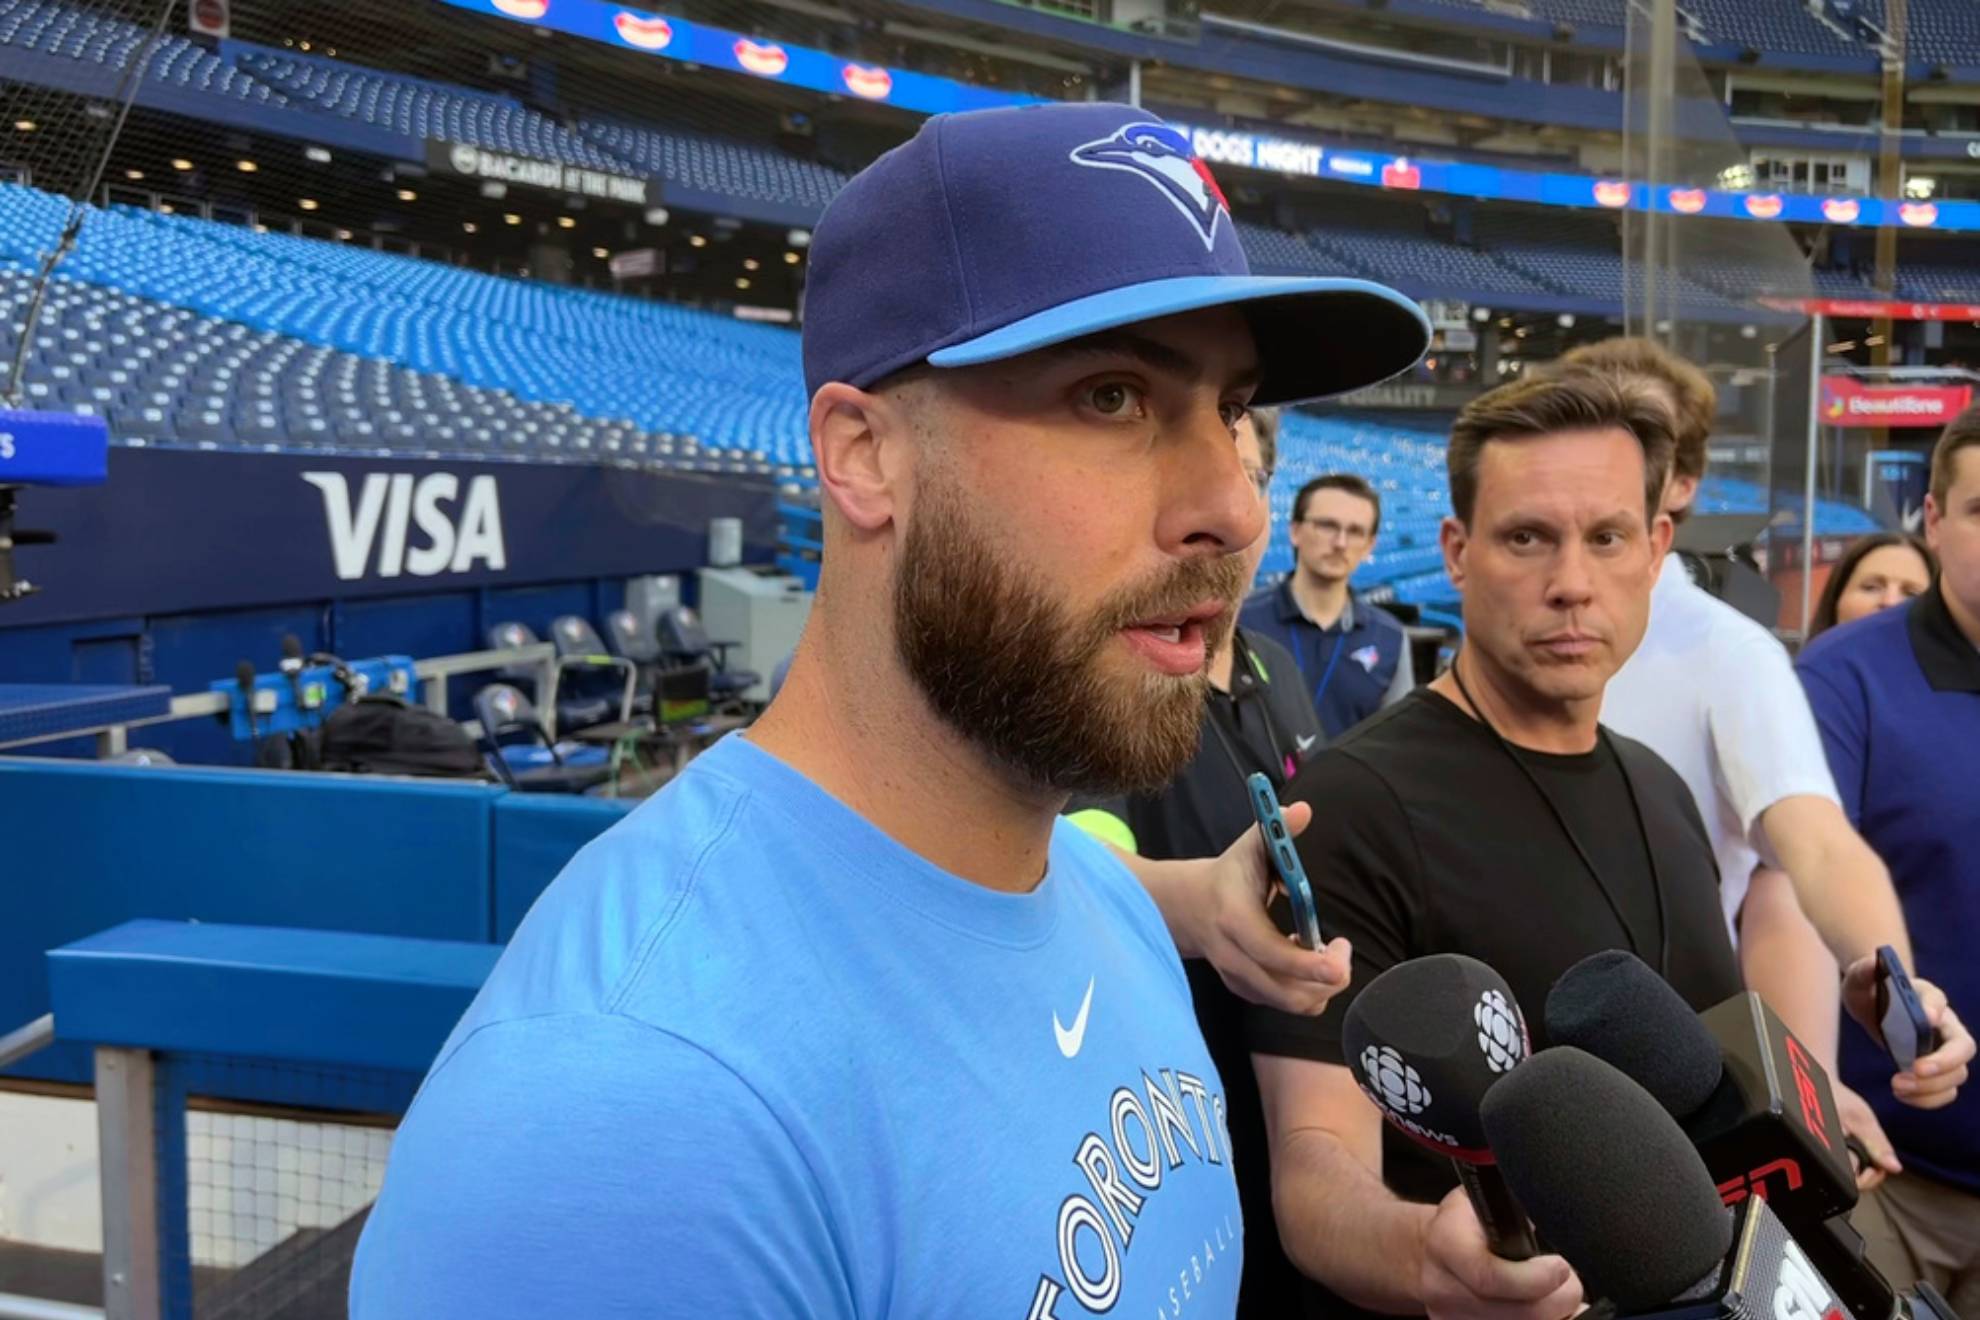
(1759, 1110)
(1615, 1185)
(1426, 1040)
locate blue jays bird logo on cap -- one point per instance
(1162, 156)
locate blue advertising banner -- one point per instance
(175, 531)
(673, 38)
(1300, 157)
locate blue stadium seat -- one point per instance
(370, 349)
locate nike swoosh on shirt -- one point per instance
(1070, 1041)
(1306, 741)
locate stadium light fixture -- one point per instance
(1919, 186)
(343, 235)
(751, 263)
(1565, 320)
(656, 216)
(181, 164)
(742, 281)
(246, 166)
(1481, 314)
(494, 189)
(317, 154)
(511, 218)
(566, 222)
(134, 175)
(696, 240)
(307, 203)
(1749, 332)
(799, 238)
(407, 195)
(168, 208)
(25, 126)
(792, 258)
(602, 254)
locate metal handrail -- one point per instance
(15, 1307)
(23, 1041)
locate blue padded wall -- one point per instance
(535, 835)
(90, 846)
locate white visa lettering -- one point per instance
(395, 504)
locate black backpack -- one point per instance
(383, 735)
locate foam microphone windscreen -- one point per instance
(1608, 1178)
(1615, 1007)
(1426, 1039)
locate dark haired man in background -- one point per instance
(1489, 814)
(1355, 657)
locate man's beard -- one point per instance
(1007, 667)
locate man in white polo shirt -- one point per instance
(1714, 694)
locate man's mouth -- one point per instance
(1177, 643)
(1568, 645)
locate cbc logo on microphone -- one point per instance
(1500, 1033)
(1393, 1082)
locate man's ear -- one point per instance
(1934, 515)
(1680, 493)
(1454, 537)
(849, 433)
(1663, 530)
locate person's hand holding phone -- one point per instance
(1235, 933)
(1919, 1026)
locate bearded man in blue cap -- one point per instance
(777, 1044)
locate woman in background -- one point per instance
(1880, 570)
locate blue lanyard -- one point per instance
(1332, 660)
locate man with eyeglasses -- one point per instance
(1353, 655)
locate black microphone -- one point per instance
(292, 665)
(1752, 1099)
(1615, 1186)
(1759, 1110)
(1426, 1040)
(244, 679)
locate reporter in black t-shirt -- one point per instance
(1490, 814)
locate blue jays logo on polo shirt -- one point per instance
(1365, 656)
(1162, 156)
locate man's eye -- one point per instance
(1115, 399)
(1521, 539)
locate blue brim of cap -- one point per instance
(1316, 337)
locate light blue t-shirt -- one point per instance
(750, 1057)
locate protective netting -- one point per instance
(58, 141)
(1722, 291)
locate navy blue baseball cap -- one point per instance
(997, 232)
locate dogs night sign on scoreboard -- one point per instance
(481, 163)
(178, 532)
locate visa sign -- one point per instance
(390, 505)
